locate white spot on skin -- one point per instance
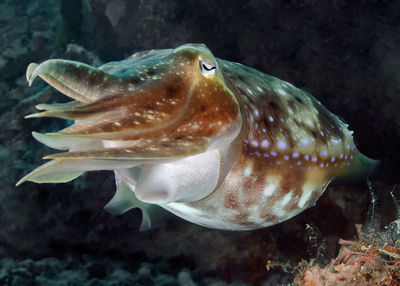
(271, 185)
(278, 208)
(254, 216)
(248, 170)
(324, 153)
(270, 118)
(286, 199)
(307, 192)
(304, 142)
(265, 143)
(295, 155)
(286, 157)
(185, 209)
(254, 143)
(259, 89)
(314, 159)
(282, 92)
(335, 142)
(281, 145)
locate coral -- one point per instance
(372, 259)
(359, 262)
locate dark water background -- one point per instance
(345, 54)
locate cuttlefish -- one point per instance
(214, 142)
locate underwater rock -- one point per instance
(347, 54)
(74, 271)
(27, 31)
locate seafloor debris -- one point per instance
(360, 262)
(372, 259)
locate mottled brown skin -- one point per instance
(164, 100)
(243, 195)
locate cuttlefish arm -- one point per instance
(142, 151)
(86, 84)
(65, 170)
(69, 77)
(67, 166)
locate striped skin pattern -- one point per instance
(212, 141)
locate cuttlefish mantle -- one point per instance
(212, 141)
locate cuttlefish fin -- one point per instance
(79, 81)
(153, 216)
(65, 170)
(142, 151)
(361, 168)
(125, 199)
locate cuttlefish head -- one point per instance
(155, 105)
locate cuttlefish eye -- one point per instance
(207, 68)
